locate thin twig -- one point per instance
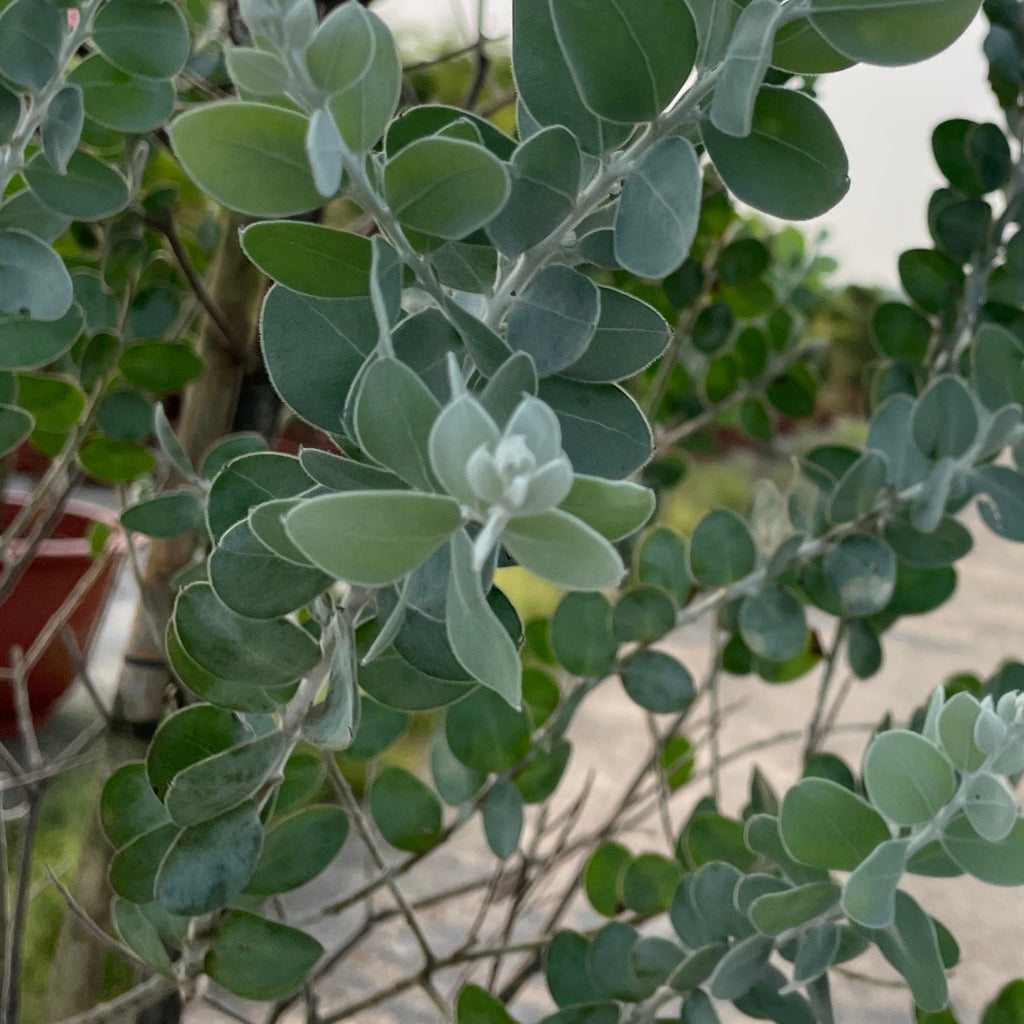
(483, 62)
(667, 438)
(444, 58)
(92, 927)
(684, 328)
(125, 1007)
(6, 918)
(715, 714)
(409, 981)
(10, 762)
(57, 620)
(42, 529)
(441, 896)
(78, 662)
(348, 799)
(837, 704)
(502, 101)
(236, 346)
(661, 781)
(222, 1007)
(23, 710)
(47, 772)
(16, 931)
(815, 730)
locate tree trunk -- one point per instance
(145, 680)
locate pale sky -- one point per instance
(885, 117)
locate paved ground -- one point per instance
(983, 624)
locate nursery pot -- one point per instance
(60, 563)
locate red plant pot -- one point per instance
(59, 564)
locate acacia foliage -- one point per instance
(506, 364)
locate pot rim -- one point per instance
(70, 547)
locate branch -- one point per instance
(236, 346)
(348, 799)
(92, 927)
(125, 1007)
(816, 729)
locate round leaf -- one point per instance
(554, 318)
(586, 413)
(128, 805)
(643, 614)
(581, 634)
(372, 537)
(791, 165)
(825, 825)
(602, 877)
(503, 819)
(313, 349)
(249, 156)
(722, 550)
(90, 189)
(564, 550)
(630, 335)
(33, 279)
(269, 652)
(31, 33)
(310, 258)
(628, 59)
(861, 572)
(773, 624)
(143, 38)
(260, 959)
(406, 810)
(208, 865)
(891, 32)
(298, 848)
(649, 883)
(658, 210)
(445, 187)
(998, 863)
(486, 734)
(120, 101)
(657, 682)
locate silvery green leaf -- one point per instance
(63, 126)
(477, 638)
(535, 421)
(742, 72)
(554, 318)
(1009, 760)
(461, 428)
(300, 24)
(170, 444)
(990, 807)
(930, 503)
(333, 722)
(1006, 708)
(989, 729)
(342, 50)
(391, 625)
(955, 731)
(889, 434)
(257, 14)
(324, 147)
(564, 550)
(999, 430)
(658, 211)
(869, 895)
(256, 72)
(548, 486)
(483, 477)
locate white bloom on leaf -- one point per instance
(499, 474)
